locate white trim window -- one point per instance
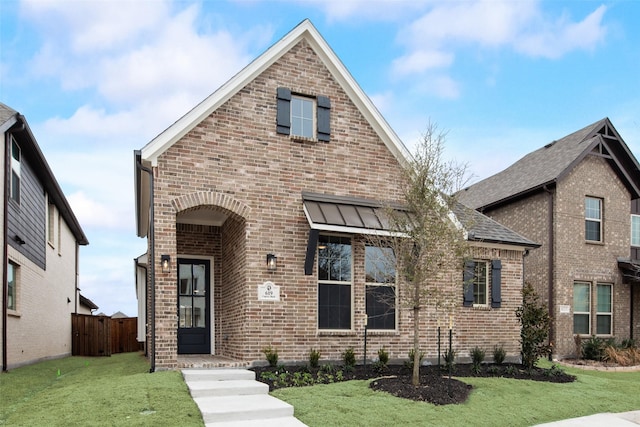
(12, 286)
(380, 287)
(51, 229)
(335, 260)
(16, 156)
(480, 280)
(303, 116)
(582, 308)
(593, 219)
(604, 309)
(635, 230)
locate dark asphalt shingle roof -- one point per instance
(548, 164)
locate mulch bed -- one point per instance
(435, 385)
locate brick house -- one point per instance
(254, 206)
(41, 238)
(573, 196)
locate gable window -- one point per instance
(593, 219)
(303, 116)
(334, 282)
(14, 188)
(11, 285)
(604, 311)
(635, 230)
(581, 308)
(380, 280)
(475, 283)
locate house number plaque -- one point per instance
(268, 291)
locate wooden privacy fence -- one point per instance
(102, 335)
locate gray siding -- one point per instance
(28, 219)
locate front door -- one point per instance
(194, 325)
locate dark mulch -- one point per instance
(435, 385)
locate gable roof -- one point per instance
(304, 31)
(148, 155)
(547, 165)
(11, 119)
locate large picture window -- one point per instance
(581, 308)
(380, 280)
(334, 282)
(593, 219)
(604, 309)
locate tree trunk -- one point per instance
(415, 379)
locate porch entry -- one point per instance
(194, 314)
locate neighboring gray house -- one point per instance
(578, 197)
(40, 250)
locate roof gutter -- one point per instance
(151, 261)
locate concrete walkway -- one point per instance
(233, 398)
(623, 419)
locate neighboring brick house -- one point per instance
(573, 196)
(255, 205)
(41, 238)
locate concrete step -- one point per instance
(217, 409)
(226, 388)
(217, 374)
(273, 422)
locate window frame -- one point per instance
(582, 313)
(589, 219)
(12, 290)
(302, 118)
(329, 282)
(604, 313)
(15, 177)
(51, 230)
(375, 284)
(635, 231)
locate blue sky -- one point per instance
(98, 79)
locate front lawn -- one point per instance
(100, 391)
(493, 402)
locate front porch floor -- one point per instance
(186, 361)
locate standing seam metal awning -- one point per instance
(342, 215)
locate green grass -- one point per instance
(102, 391)
(493, 402)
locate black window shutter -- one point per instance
(467, 277)
(284, 111)
(324, 125)
(496, 282)
(312, 244)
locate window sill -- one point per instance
(482, 307)
(336, 333)
(593, 242)
(383, 332)
(303, 139)
(13, 313)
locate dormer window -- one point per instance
(303, 116)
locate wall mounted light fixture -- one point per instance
(272, 262)
(165, 260)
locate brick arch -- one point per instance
(211, 198)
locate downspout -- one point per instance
(77, 274)
(552, 329)
(5, 252)
(151, 262)
(631, 312)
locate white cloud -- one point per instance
(421, 60)
(366, 10)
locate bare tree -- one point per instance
(426, 240)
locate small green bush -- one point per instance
(349, 358)
(383, 356)
(314, 358)
(593, 348)
(449, 359)
(271, 354)
(409, 363)
(499, 354)
(477, 357)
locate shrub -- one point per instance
(409, 363)
(349, 358)
(498, 354)
(593, 349)
(383, 356)
(622, 356)
(477, 357)
(314, 358)
(535, 323)
(449, 359)
(271, 354)
(628, 343)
